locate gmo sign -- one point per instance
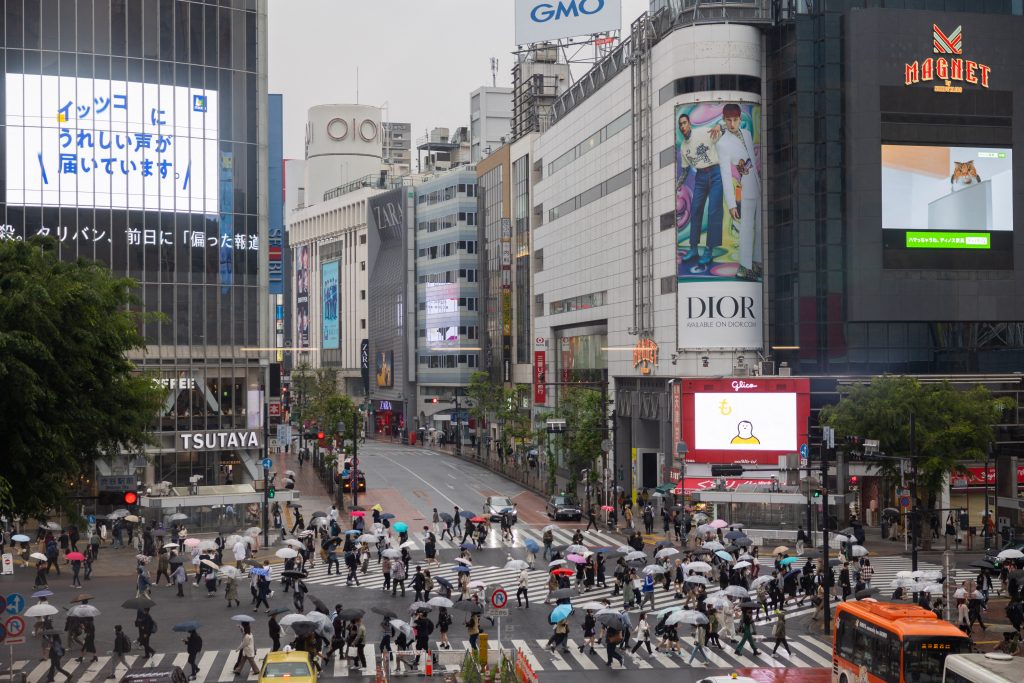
(546, 11)
(542, 20)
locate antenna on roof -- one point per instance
(494, 72)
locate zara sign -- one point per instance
(541, 20)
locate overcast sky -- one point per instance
(422, 57)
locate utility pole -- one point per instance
(458, 426)
(827, 447)
(913, 494)
(355, 457)
(266, 457)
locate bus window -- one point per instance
(923, 657)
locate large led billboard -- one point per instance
(110, 144)
(302, 296)
(719, 263)
(750, 420)
(442, 313)
(329, 321)
(946, 198)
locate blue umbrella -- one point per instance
(468, 546)
(724, 555)
(42, 594)
(351, 532)
(466, 514)
(185, 627)
(791, 573)
(401, 526)
(387, 515)
(463, 570)
(788, 560)
(531, 545)
(559, 613)
(443, 582)
(601, 550)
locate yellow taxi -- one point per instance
(290, 667)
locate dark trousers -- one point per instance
(522, 594)
(192, 662)
(610, 648)
(781, 641)
(639, 643)
(56, 667)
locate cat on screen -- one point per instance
(964, 174)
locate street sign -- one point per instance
(905, 501)
(606, 445)
(15, 630)
(3, 603)
(15, 603)
(267, 463)
(91, 519)
(495, 612)
(274, 409)
(803, 450)
(6, 567)
(3, 633)
(499, 598)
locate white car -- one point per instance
(494, 506)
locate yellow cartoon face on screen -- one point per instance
(745, 433)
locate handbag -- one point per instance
(615, 638)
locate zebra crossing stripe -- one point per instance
(574, 651)
(205, 664)
(816, 658)
(524, 648)
(556, 659)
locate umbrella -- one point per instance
(385, 612)
(294, 574)
(866, 593)
(550, 527)
(351, 614)
(121, 512)
(441, 581)
(445, 517)
(229, 572)
(718, 601)
(556, 563)
(420, 607)
(741, 565)
(291, 619)
(353, 532)
(177, 517)
(704, 528)
(138, 603)
(516, 565)
(53, 526)
(609, 618)
(302, 627)
(636, 555)
(718, 524)
(576, 549)
(780, 550)
(654, 569)
(697, 579)
(736, 592)
(388, 515)
(466, 562)
(253, 531)
(211, 564)
(367, 538)
(477, 520)
(43, 609)
(440, 601)
(562, 572)
(838, 538)
(318, 513)
(593, 605)
(176, 560)
(295, 543)
(83, 597)
(760, 581)
(38, 556)
(733, 535)
(127, 518)
(142, 558)
(186, 626)
(699, 566)
(287, 553)
(468, 606)
(724, 555)
(401, 527)
(278, 610)
(468, 545)
(42, 594)
(576, 559)
(320, 605)
(559, 613)
(791, 573)
(75, 556)
(402, 626)
(466, 514)
(607, 508)
(391, 553)
(408, 544)
(666, 552)
(749, 604)
(1010, 554)
(477, 584)
(714, 545)
(20, 538)
(192, 542)
(358, 513)
(858, 551)
(305, 534)
(786, 561)
(686, 616)
(170, 546)
(86, 611)
(462, 569)
(244, 618)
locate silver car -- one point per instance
(495, 506)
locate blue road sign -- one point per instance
(267, 463)
(15, 603)
(91, 519)
(803, 450)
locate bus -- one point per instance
(880, 642)
(991, 667)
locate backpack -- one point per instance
(124, 643)
(398, 569)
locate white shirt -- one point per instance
(732, 149)
(698, 151)
(239, 550)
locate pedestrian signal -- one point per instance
(131, 498)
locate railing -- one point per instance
(380, 181)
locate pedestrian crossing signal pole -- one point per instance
(827, 448)
(913, 495)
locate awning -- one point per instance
(708, 483)
(666, 488)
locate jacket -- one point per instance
(247, 647)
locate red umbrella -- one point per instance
(607, 508)
(477, 520)
(563, 572)
(358, 513)
(75, 556)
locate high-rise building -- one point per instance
(135, 135)
(397, 151)
(490, 120)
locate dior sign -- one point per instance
(220, 440)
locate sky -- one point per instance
(421, 57)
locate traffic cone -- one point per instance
(430, 664)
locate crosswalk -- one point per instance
(520, 535)
(216, 666)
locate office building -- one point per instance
(397, 148)
(490, 120)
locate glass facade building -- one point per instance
(131, 137)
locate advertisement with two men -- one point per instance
(719, 262)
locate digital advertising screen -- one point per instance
(749, 420)
(385, 369)
(442, 313)
(302, 295)
(329, 321)
(110, 144)
(939, 203)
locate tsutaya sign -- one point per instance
(947, 69)
(220, 440)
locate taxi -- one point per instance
(291, 667)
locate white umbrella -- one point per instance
(43, 609)
(391, 553)
(903, 583)
(592, 605)
(170, 545)
(932, 588)
(229, 572)
(741, 565)
(305, 534)
(697, 579)
(289, 619)
(760, 581)
(575, 549)
(83, 611)
(654, 569)
(208, 545)
(440, 601)
(550, 527)
(553, 563)
(367, 538)
(718, 601)
(129, 518)
(858, 551)
(408, 544)
(287, 553)
(516, 565)
(636, 555)
(253, 531)
(960, 593)
(38, 556)
(295, 543)
(464, 561)
(927, 574)
(666, 552)
(477, 584)
(736, 592)
(718, 524)
(704, 528)
(699, 566)
(713, 545)
(177, 517)
(686, 616)
(119, 513)
(53, 526)
(1010, 554)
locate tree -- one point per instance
(71, 394)
(585, 425)
(952, 426)
(485, 397)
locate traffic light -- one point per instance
(434, 400)
(854, 483)
(816, 493)
(726, 470)
(320, 435)
(271, 492)
(130, 498)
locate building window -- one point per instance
(362, 294)
(362, 265)
(538, 261)
(362, 323)
(538, 306)
(578, 303)
(668, 220)
(668, 284)
(362, 239)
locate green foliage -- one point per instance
(585, 424)
(952, 425)
(71, 395)
(318, 399)
(497, 403)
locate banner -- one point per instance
(329, 305)
(540, 389)
(302, 296)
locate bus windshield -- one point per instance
(923, 657)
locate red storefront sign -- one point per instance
(975, 476)
(540, 389)
(708, 483)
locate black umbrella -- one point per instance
(303, 628)
(253, 563)
(562, 593)
(982, 564)
(664, 544)
(441, 581)
(294, 574)
(319, 604)
(278, 610)
(351, 614)
(318, 513)
(138, 603)
(185, 627)
(468, 606)
(743, 542)
(749, 604)
(446, 517)
(466, 514)
(384, 612)
(177, 559)
(866, 593)
(611, 619)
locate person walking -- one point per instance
(397, 576)
(612, 638)
(56, 653)
(88, 639)
(179, 577)
(193, 646)
(147, 627)
(231, 591)
(548, 538)
(359, 643)
(473, 630)
(457, 521)
(274, 630)
(122, 646)
(748, 633)
(648, 591)
(246, 651)
(844, 580)
(522, 592)
(76, 568)
(779, 632)
(642, 635)
(444, 622)
(699, 636)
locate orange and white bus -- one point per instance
(880, 642)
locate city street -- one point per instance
(409, 482)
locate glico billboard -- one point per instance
(744, 421)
